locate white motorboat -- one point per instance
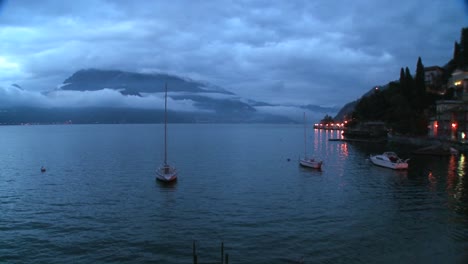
(389, 160)
(166, 173)
(308, 162)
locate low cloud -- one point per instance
(12, 96)
(295, 113)
(16, 97)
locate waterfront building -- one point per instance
(451, 120)
(434, 79)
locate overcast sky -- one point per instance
(323, 52)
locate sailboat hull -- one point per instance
(166, 177)
(166, 174)
(310, 163)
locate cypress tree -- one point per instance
(408, 89)
(402, 77)
(457, 55)
(464, 48)
(402, 85)
(420, 86)
(408, 76)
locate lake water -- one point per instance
(98, 202)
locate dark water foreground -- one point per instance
(98, 202)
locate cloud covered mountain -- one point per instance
(135, 83)
(112, 96)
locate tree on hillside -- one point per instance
(463, 56)
(420, 87)
(373, 107)
(457, 55)
(460, 56)
(397, 113)
(402, 85)
(408, 77)
(400, 105)
(407, 89)
(405, 106)
(327, 120)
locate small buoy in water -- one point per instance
(43, 169)
(288, 159)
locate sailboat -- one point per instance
(308, 162)
(166, 173)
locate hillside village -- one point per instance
(433, 104)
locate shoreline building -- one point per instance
(451, 120)
(434, 79)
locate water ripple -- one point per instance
(99, 202)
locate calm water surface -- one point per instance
(98, 202)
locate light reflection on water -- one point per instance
(456, 183)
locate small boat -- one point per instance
(308, 162)
(166, 173)
(389, 160)
(43, 169)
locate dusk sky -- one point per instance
(325, 53)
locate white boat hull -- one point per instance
(166, 174)
(398, 165)
(311, 163)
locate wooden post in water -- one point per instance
(194, 253)
(227, 259)
(222, 252)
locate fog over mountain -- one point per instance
(111, 96)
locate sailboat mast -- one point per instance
(165, 127)
(305, 137)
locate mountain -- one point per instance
(114, 96)
(214, 104)
(321, 109)
(348, 108)
(135, 83)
